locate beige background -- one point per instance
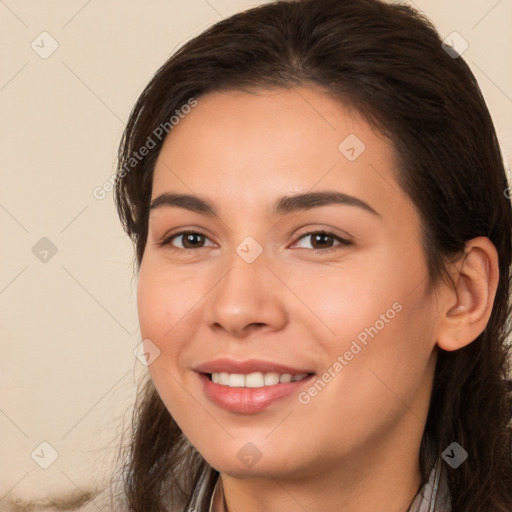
(69, 324)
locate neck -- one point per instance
(380, 479)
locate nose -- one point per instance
(247, 297)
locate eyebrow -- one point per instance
(284, 205)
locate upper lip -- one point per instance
(248, 366)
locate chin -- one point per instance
(248, 461)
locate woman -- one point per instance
(318, 203)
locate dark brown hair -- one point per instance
(388, 63)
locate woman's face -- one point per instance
(258, 294)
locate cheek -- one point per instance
(347, 301)
(152, 306)
(162, 310)
(159, 313)
(381, 328)
(385, 360)
(166, 303)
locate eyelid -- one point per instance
(167, 238)
(331, 231)
(343, 241)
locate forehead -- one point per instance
(272, 142)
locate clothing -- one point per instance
(432, 497)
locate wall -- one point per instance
(69, 321)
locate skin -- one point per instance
(358, 439)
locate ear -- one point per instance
(466, 307)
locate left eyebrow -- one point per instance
(310, 200)
(284, 205)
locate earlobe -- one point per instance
(466, 308)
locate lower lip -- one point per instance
(248, 400)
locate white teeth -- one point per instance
(255, 379)
(271, 379)
(236, 380)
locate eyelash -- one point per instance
(343, 242)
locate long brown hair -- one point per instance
(388, 62)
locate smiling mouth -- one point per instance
(254, 379)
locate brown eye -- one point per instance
(189, 240)
(322, 241)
